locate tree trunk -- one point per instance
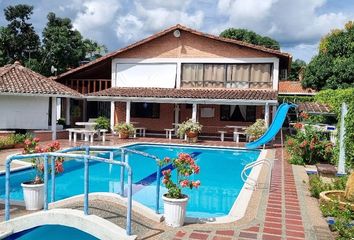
(349, 188)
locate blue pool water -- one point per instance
(220, 170)
(51, 232)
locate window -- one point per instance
(257, 75)
(145, 110)
(238, 113)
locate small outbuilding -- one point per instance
(28, 100)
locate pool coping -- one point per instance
(236, 212)
(91, 224)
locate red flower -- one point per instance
(304, 115)
(298, 125)
(196, 184)
(184, 183)
(36, 139)
(303, 144)
(28, 141)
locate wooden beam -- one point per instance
(83, 86)
(89, 86)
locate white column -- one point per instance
(67, 112)
(266, 114)
(127, 112)
(176, 114)
(194, 113)
(341, 162)
(58, 116)
(53, 118)
(112, 115)
(274, 111)
(275, 77)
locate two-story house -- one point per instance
(180, 73)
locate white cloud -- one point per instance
(96, 17)
(149, 18)
(288, 21)
(302, 51)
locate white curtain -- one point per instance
(243, 110)
(161, 75)
(214, 75)
(192, 75)
(261, 75)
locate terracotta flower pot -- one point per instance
(335, 196)
(192, 134)
(123, 135)
(19, 145)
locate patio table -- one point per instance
(236, 130)
(89, 127)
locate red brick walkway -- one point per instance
(281, 220)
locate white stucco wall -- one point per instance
(23, 112)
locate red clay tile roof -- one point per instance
(294, 88)
(16, 79)
(315, 108)
(180, 27)
(190, 93)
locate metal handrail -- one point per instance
(246, 178)
(64, 153)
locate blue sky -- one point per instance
(297, 24)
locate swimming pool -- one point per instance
(219, 175)
(51, 232)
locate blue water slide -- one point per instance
(274, 127)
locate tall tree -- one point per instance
(18, 40)
(297, 67)
(250, 37)
(63, 47)
(333, 66)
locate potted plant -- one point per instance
(60, 123)
(175, 201)
(343, 198)
(19, 139)
(189, 128)
(256, 130)
(102, 123)
(124, 129)
(33, 190)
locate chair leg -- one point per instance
(70, 136)
(75, 136)
(222, 137)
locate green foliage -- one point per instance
(18, 38)
(317, 185)
(61, 121)
(308, 146)
(102, 123)
(295, 99)
(20, 138)
(185, 167)
(256, 130)
(333, 67)
(124, 128)
(188, 126)
(250, 37)
(343, 219)
(62, 46)
(296, 67)
(6, 141)
(335, 98)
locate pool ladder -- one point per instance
(253, 183)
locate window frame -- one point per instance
(133, 111)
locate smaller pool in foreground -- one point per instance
(51, 232)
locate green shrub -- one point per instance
(343, 219)
(6, 141)
(308, 146)
(335, 98)
(20, 138)
(256, 130)
(102, 123)
(61, 121)
(317, 185)
(124, 128)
